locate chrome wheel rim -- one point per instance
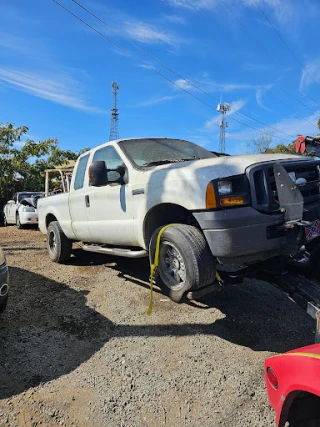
(172, 266)
(52, 242)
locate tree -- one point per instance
(262, 141)
(23, 168)
(284, 149)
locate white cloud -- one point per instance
(283, 10)
(155, 101)
(211, 86)
(289, 126)
(61, 89)
(149, 34)
(259, 94)
(310, 73)
(191, 4)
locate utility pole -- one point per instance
(223, 108)
(114, 131)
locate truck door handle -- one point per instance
(87, 200)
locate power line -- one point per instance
(169, 69)
(285, 43)
(254, 82)
(259, 45)
(155, 71)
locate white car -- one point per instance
(22, 209)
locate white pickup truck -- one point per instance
(228, 211)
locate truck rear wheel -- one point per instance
(185, 260)
(58, 245)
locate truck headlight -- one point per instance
(28, 209)
(2, 257)
(230, 192)
(224, 188)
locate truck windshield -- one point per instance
(158, 151)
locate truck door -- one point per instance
(109, 208)
(77, 201)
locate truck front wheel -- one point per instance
(185, 260)
(58, 245)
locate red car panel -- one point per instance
(289, 374)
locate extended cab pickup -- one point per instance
(227, 212)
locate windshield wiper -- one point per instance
(167, 161)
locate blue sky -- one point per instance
(56, 73)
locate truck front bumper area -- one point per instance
(240, 232)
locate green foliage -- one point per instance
(284, 149)
(23, 168)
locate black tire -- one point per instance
(3, 303)
(5, 222)
(58, 245)
(185, 260)
(18, 223)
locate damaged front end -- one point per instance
(301, 220)
(30, 202)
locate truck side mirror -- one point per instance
(98, 174)
(119, 175)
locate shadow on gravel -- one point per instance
(257, 315)
(47, 331)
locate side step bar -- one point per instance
(115, 251)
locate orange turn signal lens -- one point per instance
(211, 201)
(232, 201)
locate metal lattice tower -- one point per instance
(223, 108)
(114, 130)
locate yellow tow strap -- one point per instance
(155, 264)
(154, 267)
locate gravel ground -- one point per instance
(77, 348)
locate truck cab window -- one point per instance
(112, 160)
(79, 178)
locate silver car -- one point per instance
(4, 282)
(22, 209)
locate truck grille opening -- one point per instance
(263, 186)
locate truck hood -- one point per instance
(233, 165)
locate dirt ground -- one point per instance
(78, 349)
